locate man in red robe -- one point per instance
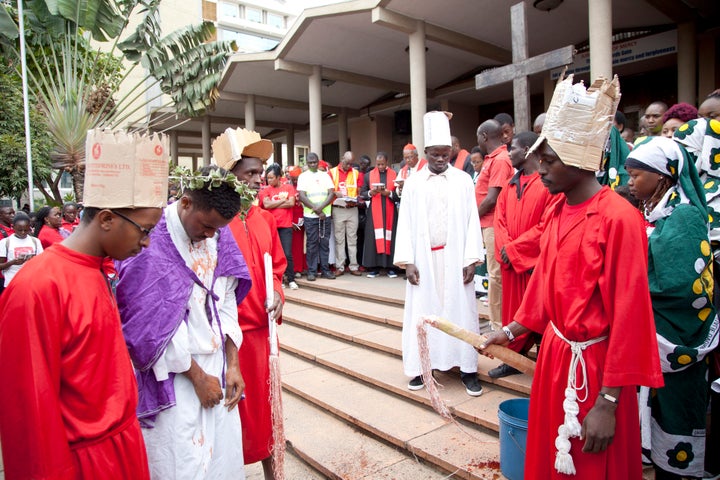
(69, 390)
(518, 225)
(589, 295)
(256, 233)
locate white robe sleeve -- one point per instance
(229, 313)
(404, 241)
(474, 243)
(176, 358)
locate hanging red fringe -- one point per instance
(278, 450)
(430, 383)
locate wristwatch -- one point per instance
(609, 398)
(509, 334)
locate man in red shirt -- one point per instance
(518, 224)
(347, 181)
(496, 172)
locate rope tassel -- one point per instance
(276, 408)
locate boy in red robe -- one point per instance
(590, 298)
(255, 232)
(69, 388)
(518, 224)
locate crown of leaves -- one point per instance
(214, 179)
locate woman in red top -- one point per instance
(47, 226)
(279, 199)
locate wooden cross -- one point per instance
(522, 67)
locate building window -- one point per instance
(228, 10)
(275, 20)
(249, 43)
(253, 14)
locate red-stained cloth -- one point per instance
(518, 225)
(255, 237)
(591, 282)
(68, 408)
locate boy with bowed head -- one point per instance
(71, 413)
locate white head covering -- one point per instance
(437, 129)
(125, 170)
(578, 121)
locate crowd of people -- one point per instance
(130, 331)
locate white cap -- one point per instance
(125, 170)
(437, 129)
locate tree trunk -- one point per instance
(78, 176)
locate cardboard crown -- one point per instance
(578, 121)
(125, 170)
(234, 144)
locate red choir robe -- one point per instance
(591, 281)
(518, 225)
(255, 237)
(68, 407)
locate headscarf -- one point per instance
(663, 155)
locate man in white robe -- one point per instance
(438, 242)
(190, 380)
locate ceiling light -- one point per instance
(547, 5)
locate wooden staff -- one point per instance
(508, 356)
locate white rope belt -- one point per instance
(571, 426)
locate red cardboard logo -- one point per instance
(158, 150)
(96, 151)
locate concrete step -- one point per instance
(463, 450)
(347, 306)
(339, 450)
(380, 290)
(384, 373)
(295, 468)
(365, 333)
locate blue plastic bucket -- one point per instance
(513, 415)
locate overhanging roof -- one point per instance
(362, 48)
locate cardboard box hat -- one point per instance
(578, 121)
(125, 170)
(234, 144)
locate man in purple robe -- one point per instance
(178, 302)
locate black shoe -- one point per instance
(503, 370)
(311, 277)
(416, 383)
(472, 384)
(328, 276)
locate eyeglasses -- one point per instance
(146, 232)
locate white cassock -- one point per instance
(439, 232)
(188, 441)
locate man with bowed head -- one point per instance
(70, 396)
(178, 301)
(438, 242)
(589, 297)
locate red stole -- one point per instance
(460, 159)
(383, 232)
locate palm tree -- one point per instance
(72, 79)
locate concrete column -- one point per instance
(707, 66)
(277, 154)
(250, 112)
(290, 145)
(206, 140)
(418, 85)
(687, 63)
(600, 22)
(342, 131)
(174, 147)
(548, 90)
(315, 110)
(194, 163)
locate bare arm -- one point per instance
(489, 202)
